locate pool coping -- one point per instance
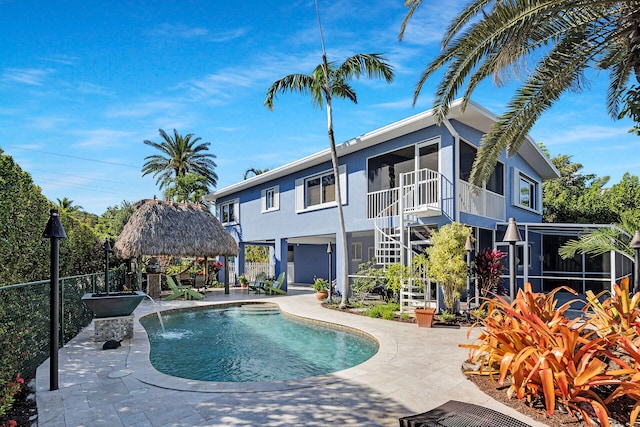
(139, 364)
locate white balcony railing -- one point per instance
(420, 192)
(478, 201)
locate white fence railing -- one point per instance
(252, 269)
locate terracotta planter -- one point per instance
(322, 295)
(424, 316)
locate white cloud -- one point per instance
(28, 76)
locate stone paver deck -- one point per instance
(415, 370)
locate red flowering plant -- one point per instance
(8, 394)
(213, 267)
(488, 268)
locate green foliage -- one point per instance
(397, 275)
(255, 253)
(187, 188)
(180, 155)
(447, 261)
(552, 44)
(488, 269)
(368, 276)
(631, 108)
(24, 212)
(384, 311)
(320, 284)
(113, 220)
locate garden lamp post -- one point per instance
(468, 246)
(512, 236)
(106, 246)
(330, 253)
(635, 245)
(54, 231)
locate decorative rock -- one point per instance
(113, 328)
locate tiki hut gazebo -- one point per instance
(159, 228)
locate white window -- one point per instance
(271, 199)
(526, 191)
(356, 251)
(319, 191)
(230, 212)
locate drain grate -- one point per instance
(460, 414)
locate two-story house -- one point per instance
(398, 183)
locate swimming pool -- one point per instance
(233, 344)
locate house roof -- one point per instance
(474, 115)
(166, 228)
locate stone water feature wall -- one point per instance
(113, 328)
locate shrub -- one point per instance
(488, 268)
(543, 354)
(8, 392)
(385, 311)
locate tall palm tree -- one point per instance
(182, 154)
(327, 81)
(254, 171)
(553, 42)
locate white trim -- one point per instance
(236, 211)
(300, 190)
(356, 249)
(535, 195)
(276, 199)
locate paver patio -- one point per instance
(415, 370)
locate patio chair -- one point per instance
(181, 291)
(276, 287)
(261, 284)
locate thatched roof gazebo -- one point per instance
(159, 228)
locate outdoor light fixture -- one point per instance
(330, 252)
(106, 246)
(54, 231)
(635, 245)
(468, 246)
(511, 236)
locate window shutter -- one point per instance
(263, 200)
(276, 197)
(236, 210)
(515, 187)
(342, 171)
(299, 195)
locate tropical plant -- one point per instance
(67, 205)
(530, 342)
(447, 261)
(326, 82)
(618, 314)
(367, 277)
(180, 155)
(553, 41)
(320, 284)
(187, 188)
(385, 311)
(254, 171)
(603, 240)
(488, 269)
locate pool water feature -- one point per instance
(233, 344)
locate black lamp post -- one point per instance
(330, 252)
(106, 246)
(54, 231)
(511, 236)
(635, 245)
(468, 246)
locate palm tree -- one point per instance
(254, 171)
(182, 154)
(604, 240)
(326, 81)
(558, 40)
(66, 205)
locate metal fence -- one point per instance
(25, 318)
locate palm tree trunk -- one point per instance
(342, 253)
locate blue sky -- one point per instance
(84, 83)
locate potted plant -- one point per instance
(321, 287)
(244, 282)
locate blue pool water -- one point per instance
(228, 345)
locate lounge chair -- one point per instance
(276, 287)
(261, 284)
(181, 291)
